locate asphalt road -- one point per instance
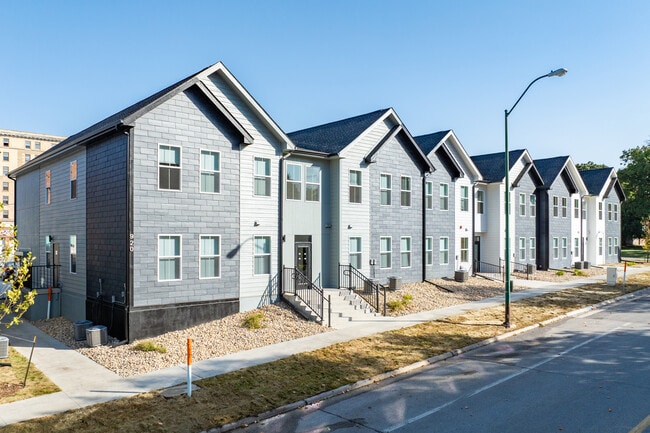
(585, 374)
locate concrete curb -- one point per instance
(319, 398)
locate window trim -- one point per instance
(565, 206)
(480, 201)
(408, 251)
(464, 198)
(308, 183)
(73, 254)
(556, 248)
(443, 198)
(267, 178)
(216, 173)
(428, 251)
(405, 193)
(522, 248)
(358, 186)
(444, 251)
(179, 256)
(532, 249)
(356, 253)
(217, 256)
(73, 179)
(266, 255)
(556, 206)
(179, 168)
(522, 204)
(464, 251)
(293, 182)
(532, 204)
(565, 247)
(384, 252)
(388, 189)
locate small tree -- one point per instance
(646, 236)
(15, 300)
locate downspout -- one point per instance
(473, 263)
(127, 296)
(424, 227)
(281, 222)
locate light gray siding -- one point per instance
(524, 225)
(560, 226)
(441, 223)
(28, 205)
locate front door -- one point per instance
(303, 258)
(477, 254)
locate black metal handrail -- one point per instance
(489, 269)
(370, 291)
(296, 283)
(43, 276)
(523, 268)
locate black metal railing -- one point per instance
(522, 268)
(371, 291)
(43, 276)
(296, 283)
(489, 270)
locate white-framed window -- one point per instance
(355, 186)
(169, 167)
(532, 249)
(480, 201)
(556, 206)
(28, 157)
(312, 183)
(48, 187)
(5, 156)
(5, 170)
(464, 198)
(444, 196)
(610, 246)
(556, 248)
(532, 205)
(564, 207)
(385, 189)
(600, 210)
(294, 182)
(169, 257)
(609, 211)
(444, 250)
(428, 195)
(576, 248)
(385, 252)
(405, 251)
(600, 246)
(5, 200)
(584, 210)
(522, 205)
(355, 252)
(576, 208)
(73, 180)
(28, 144)
(615, 212)
(565, 248)
(464, 249)
(405, 191)
(73, 254)
(615, 245)
(522, 249)
(5, 142)
(428, 250)
(262, 177)
(209, 256)
(210, 172)
(37, 145)
(262, 255)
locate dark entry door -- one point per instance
(303, 258)
(477, 254)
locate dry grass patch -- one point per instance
(11, 380)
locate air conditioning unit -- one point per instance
(4, 347)
(80, 329)
(96, 335)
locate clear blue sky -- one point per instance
(440, 64)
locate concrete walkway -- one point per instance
(84, 382)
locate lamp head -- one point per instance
(557, 73)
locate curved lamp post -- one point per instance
(556, 73)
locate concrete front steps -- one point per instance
(346, 309)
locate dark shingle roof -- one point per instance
(429, 141)
(331, 138)
(491, 165)
(550, 168)
(595, 179)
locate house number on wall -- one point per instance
(131, 242)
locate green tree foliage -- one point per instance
(635, 179)
(15, 300)
(589, 165)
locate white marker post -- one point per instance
(189, 367)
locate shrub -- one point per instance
(579, 273)
(150, 346)
(559, 273)
(400, 304)
(253, 320)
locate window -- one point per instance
(615, 212)
(609, 246)
(522, 204)
(5, 156)
(522, 249)
(609, 211)
(210, 172)
(464, 198)
(584, 210)
(480, 201)
(355, 186)
(556, 248)
(385, 252)
(600, 246)
(385, 189)
(28, 157)
(28, 144)
(556, 204)
(48, 189)
(428, 251)
(600, 210)
(576, 208)
(169, 167)
(532, 250)
(210, 256)
(533, 205)
(444, 250)
(464, 249)
(262, 177)
(262, 255)
(428, 195)
(5, 170)
(5, 186)
(5, 214)
(615, 245)
(564, 207)
(294, 182)
(444, 196)
(355, 252)
(5, 200)
(312, 183)
(405, 252)
(37, 145)
(73, 254)
(576, 248)
(564, 248)
(169, 257)
(5, 142)
(405, 191)
(73, 180)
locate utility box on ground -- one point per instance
(394, 283)
(96, 335)
(4, 347)
(80, 329)
(461, 276)
(611, 276)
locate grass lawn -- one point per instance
(11, 380)
(635, 252)
(250, 391)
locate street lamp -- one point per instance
(556, 73)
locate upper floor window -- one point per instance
(5, 214)
(210, 256)
(556, 206)
(576, 208)
(48, 187)
(73, 179)
(564, 207)
(312, 183)
(169, 167)
(405, 191)
(262, 177)
(5, 170)
(464, 198)
(533, 205)
(37, 145)
(5, 142)
(522, 204)
(609, 211)
(355, 186)
(210, 172)
(5, 156)
(615, 212)
(28, 157)
(444, 196)
(5, 200)
(5, 186)
(73, 254)
(428, 195)
(169, 257)
(600, 210)
(480, 201)
(584, 210)
(28, 144)
(385, 181)
(294, 182)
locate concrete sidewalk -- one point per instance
(84, 382)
